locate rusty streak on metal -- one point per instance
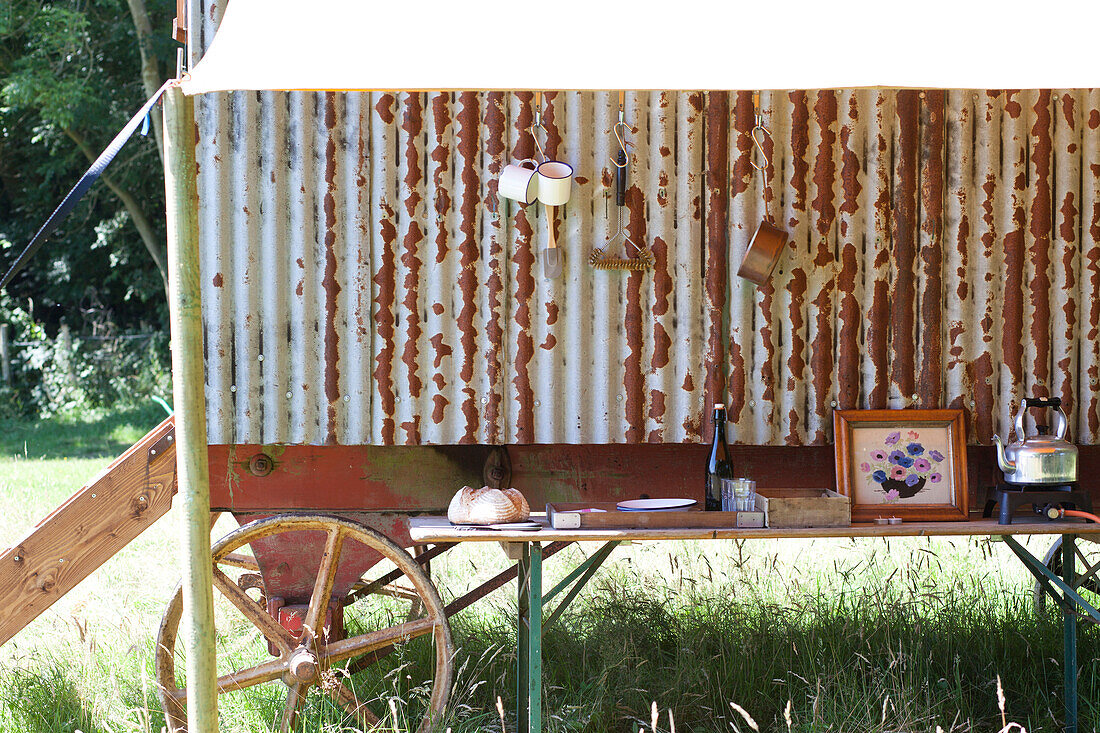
(903, 296)
(824, 262)
(716, 239)
(329, 283)
(469, 143)
(848, 313)
(385, 280)
(931, 237)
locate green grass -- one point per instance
(868, 635)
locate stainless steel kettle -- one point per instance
(1041, 459)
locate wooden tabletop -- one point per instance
(438, 529)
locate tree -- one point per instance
(71, 75)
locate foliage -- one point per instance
(71, 374)
(70, 77)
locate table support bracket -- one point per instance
(584, 572)
(1071, 602)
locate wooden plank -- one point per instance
(438, 529)
(89, 528)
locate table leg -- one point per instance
(529, 640)
(1069, 635)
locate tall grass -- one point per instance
(869, 635)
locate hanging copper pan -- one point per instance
(767, 244)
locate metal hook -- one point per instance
(538, 125)
(759, 145)
(622, 143)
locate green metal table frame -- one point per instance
(531, 626)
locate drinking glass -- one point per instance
(744, 494)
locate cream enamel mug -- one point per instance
(518, 182)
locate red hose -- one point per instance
(1082, 515)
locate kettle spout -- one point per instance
(1006, 465)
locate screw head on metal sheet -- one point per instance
(347, 398)
(232, 388)
(833, 403)
(538, 403)
(260, 465)
(289, 394)
(484, 400)
(618, 398)
(914, 398)
(662, 193)
(752, 403)
(260, 357)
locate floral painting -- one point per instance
(903, 467)
(904, 463)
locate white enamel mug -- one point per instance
(518, 182)
(555, 181)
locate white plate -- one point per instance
(516, 526)
(652, 505)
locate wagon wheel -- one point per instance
(1086, 573)
(244, 629)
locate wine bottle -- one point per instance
(718, 463)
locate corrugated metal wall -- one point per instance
(363, 283)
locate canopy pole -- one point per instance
(185, 314)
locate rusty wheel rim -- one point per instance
(308, 662)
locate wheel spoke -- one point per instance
(237, 560)
(240, 679)
(356, 645)
(346, 699)
(260, 618)
(294, 697)
(326, 576)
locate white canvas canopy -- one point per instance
(680, 44)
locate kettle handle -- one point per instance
(1060, 421)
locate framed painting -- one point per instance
(902, 463)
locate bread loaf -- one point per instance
(487, 506)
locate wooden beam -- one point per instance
(87, 530)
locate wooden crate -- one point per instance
(804, 507)
(565, 515)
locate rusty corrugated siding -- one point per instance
(364, 284)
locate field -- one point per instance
(803, 635)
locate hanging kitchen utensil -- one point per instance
(552, 264)
(766, 245)
(599, 259)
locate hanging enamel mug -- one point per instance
(518, 182)
(767, 244)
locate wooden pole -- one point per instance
(185, 313)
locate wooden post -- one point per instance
(185, 314)
(5, 352)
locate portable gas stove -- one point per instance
(1009, 497)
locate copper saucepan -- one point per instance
(766, 246)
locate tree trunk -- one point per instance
(150, 71)
(157, 247)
